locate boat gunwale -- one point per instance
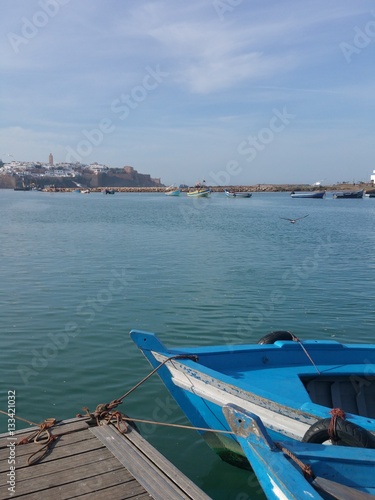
(303, 408)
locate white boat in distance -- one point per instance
(237, 194)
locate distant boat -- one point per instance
(199, 191)
(308, 194)
(172, 191)
(307, 471)
(370, 193)
(85, 191)
(108, 191)
(237, 194)
(22, 188)
(349, 194)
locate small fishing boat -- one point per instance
(302, 471)
(199, 191)
(349, 194)
(292, 385)
(308, 194)
(85, 191)
(108, 191)
(172, 191)
(237, 194)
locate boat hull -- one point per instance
(172, 191)
(246, 379)
(318, 195)
(199, 193)
(349, 194)
(238, 194)
(176, 192)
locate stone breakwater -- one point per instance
(271, 188)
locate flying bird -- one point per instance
(293, 221)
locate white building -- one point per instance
(372, 178)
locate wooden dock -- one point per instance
(91, 463)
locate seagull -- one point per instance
(293, 221)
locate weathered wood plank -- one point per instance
(148, 466)
(92, 487)
(63, 464)
(88, 463)
(64, 440)
(62, 427)
(165, 465)
(119, 491)
(66, 477)
(56, 452)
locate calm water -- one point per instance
(197, 272)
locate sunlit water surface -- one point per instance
(195, 271)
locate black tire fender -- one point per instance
(348, 434)
(273, 337)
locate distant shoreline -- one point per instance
(260, 188)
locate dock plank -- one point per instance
(148, 466)
(56, 451)
(62, 427)
(87, 463)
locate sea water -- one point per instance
(78, 272)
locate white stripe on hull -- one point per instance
(273, 420)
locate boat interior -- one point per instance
(353, 394)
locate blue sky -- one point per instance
(230, 91)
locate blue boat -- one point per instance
(291, 385)
(349, 194)
(308, 194)
(302, 471)
(172, 191)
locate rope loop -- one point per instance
(43, 437)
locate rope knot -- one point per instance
(336, 413)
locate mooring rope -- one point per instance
(296, 339)
(19, 418)
(180, 426)
(103, 411)
(177, 356)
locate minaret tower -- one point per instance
(50, 159)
